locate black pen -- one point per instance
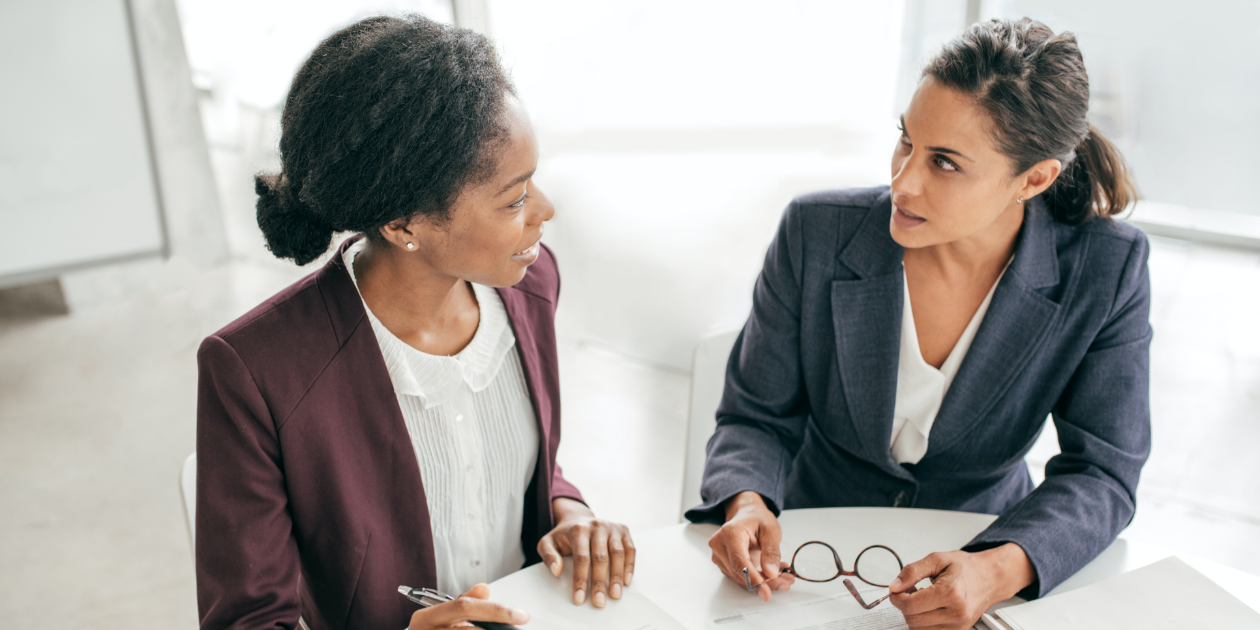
(427, 597)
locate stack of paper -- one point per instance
(1166, 595)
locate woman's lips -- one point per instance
(528, 255)
(905, 219)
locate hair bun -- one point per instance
(290, 226)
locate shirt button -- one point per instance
(898, 498)
(476, 563)
(472, 517)
(459, 417)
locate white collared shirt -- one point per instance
(920, 387)
(473, 429)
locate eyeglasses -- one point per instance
(816, 561)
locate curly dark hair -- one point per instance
(1033, 85)
(389, 118)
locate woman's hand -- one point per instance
(471, 606)
(602, 552)
(964, 585)
(750, 539)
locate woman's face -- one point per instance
(493, 232)
(949, 182)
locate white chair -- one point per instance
(188, 492)
(708, 375)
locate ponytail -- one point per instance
(1097, 182)
(1033, 85)
(288, 224)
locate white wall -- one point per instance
(76, 175)
(674, 132)
(1176, 85)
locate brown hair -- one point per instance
(1033, 85)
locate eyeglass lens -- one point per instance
(877, 566)
(815, 562)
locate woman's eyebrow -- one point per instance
(514, 183)
(945, 150)
(950, 152)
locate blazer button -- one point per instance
(898, 498)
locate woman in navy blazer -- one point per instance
(311, 507)
(996, 166)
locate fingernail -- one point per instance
(579, 597)
(764, 594)
(783, 587)
(896, 584)
(555, 569)
(599, 600)
(519, 616)
(616, 591)
(629, 578)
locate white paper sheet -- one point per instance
(1167, 595)
(633, 611)
(838, 612)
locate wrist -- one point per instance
(1011, 569)
(564, 507)
(746, 500)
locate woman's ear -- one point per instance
(399, 233)
(1039, 177)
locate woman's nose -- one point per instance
(905, 180)
(543, 209)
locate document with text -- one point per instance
(838, 612)
(634, 611)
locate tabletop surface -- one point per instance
(674, 569)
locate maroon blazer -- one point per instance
(309, 498)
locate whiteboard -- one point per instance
(77, 178)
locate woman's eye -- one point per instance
(944, 163)
(520, 203)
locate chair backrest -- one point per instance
(708, 376)
(188, 492)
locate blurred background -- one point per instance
(672, 134)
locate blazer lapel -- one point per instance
(866, 314)
(1017, 321)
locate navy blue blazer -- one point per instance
(806, 415)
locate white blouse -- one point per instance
(472, 426)
(920, 387)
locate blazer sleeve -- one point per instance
(247, 560)
(763, 411)
(1103, 421)
(560, 487)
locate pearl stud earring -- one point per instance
(411, 245)
(1021, 200)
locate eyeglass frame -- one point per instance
(840, 572)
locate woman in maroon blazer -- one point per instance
(393, 418)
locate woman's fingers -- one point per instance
(616, 565)
(769, 536)
(599, 566)
(913, 573)
(470, 607)
(551, 555)
(738, 558)
(630, 556)
(580, 544)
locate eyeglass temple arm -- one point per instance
(853, 589)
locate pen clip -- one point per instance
(426, 597)
(748, 583)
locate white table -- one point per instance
(674, 569)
